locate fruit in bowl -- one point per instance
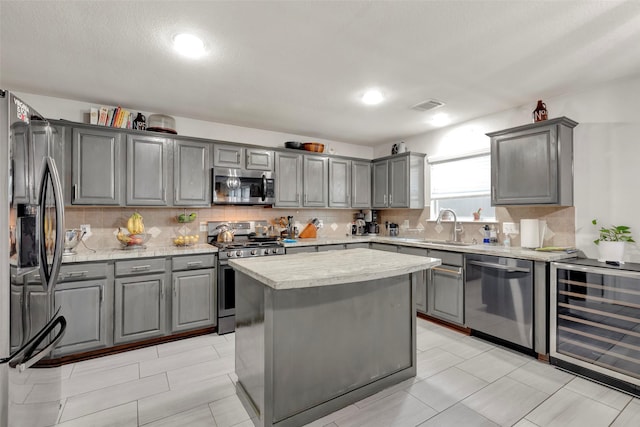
(186, 240)
(131, 240)
(183, 217)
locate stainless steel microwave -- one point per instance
(242, 187)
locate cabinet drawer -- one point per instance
(301, 249)
(324, 248)
(140, 266)
(413, 251)
(448, 258)
(74, 272)
(193, 262)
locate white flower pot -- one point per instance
(610, 251)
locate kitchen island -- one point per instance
(317, 332)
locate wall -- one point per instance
(77, 111)
(606, 147)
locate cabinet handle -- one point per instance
(164, 194)
(101, 294)
(306, 198)
(75, 192)
(298, 198)
(384, 199)
(390, 199)
(175, 290)
(457, 272)
(238, 156)
(192, 264)
(140, 267)
(162, 290)
(77, 273)
(493, 192)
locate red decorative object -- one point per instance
(540, 113)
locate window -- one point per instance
(462, 184)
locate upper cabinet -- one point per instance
(315, 181)
(257, 159)
(148, 170)
(360, 184)
(97, 167)
(228, 156)
(533, 164)
(398, 181)
(289, 179)
(339, 183)
(191, 182)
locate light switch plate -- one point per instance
(510, 228)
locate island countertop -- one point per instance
(305, 270)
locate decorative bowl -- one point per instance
(314, 146)
(133, 241)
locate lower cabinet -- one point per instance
(301, 249)
(421, 278)
(193, 302)
(445, 287)
(140, 308)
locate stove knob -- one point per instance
(239, 253)
(254, 251)
(229, 254)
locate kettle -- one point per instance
(225, 235)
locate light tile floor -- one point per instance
(461, 381)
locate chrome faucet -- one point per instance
(457, 228)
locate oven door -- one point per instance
(242, 187)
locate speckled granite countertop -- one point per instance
(509, 252)
(308, 270)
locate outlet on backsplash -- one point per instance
(510, 228)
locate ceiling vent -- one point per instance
(427, 105)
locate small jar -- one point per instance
(540, 113)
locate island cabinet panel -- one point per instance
(96, 168)
(193, 300)
(533, 164)
(316, 177)
(360, 184)
(289, 182)
(339, 183)
(420, 277)
(191, 174)
(148, 169)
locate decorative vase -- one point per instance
(540, 113)
(610, 251)
(140, 122)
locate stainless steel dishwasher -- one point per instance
(499, 298)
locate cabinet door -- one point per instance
(420, 277)
(316, 177)
(445, 291)
(257, 159)
(339, 183)
(191, 180)
(302, 249)
(140, 311)
(193, 304)
(83, 305)
(360, 184)
(20, 164)
(288, 179)
(384, 247)
(380, 184)
(335, 247)
(524, 167)
(227, 156)
(399, 182)
(96, 168)
(147, 170)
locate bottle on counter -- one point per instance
(493, 235)
(487, 235)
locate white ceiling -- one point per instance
(300, 67)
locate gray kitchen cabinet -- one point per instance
(339, 183)
(96, 168)
(533, 164)
(398, 181)
(421, 277)
(191, 174)
(148, 170)
(360, 184)
(289, 179)
(228, 156)
(383, 247)
(257, 159)
(193, 302)
(84, 296)
(316, 178)
(301, 249)
(140, 300)
(333, 247)
(445, 287)
(364, 245)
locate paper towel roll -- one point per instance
(529, 233)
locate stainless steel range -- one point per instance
(248, 241)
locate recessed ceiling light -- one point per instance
(188, 45)
(441, 119)
(372, 97)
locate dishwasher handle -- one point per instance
(457, 271)
(507, 268)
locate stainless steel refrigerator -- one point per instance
(31, 225)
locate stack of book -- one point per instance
(116, 117)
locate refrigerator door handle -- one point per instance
(49, 170)
(25, 358)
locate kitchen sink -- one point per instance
(434, 242)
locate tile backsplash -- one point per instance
(104, 222)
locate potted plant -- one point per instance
(611, 242)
